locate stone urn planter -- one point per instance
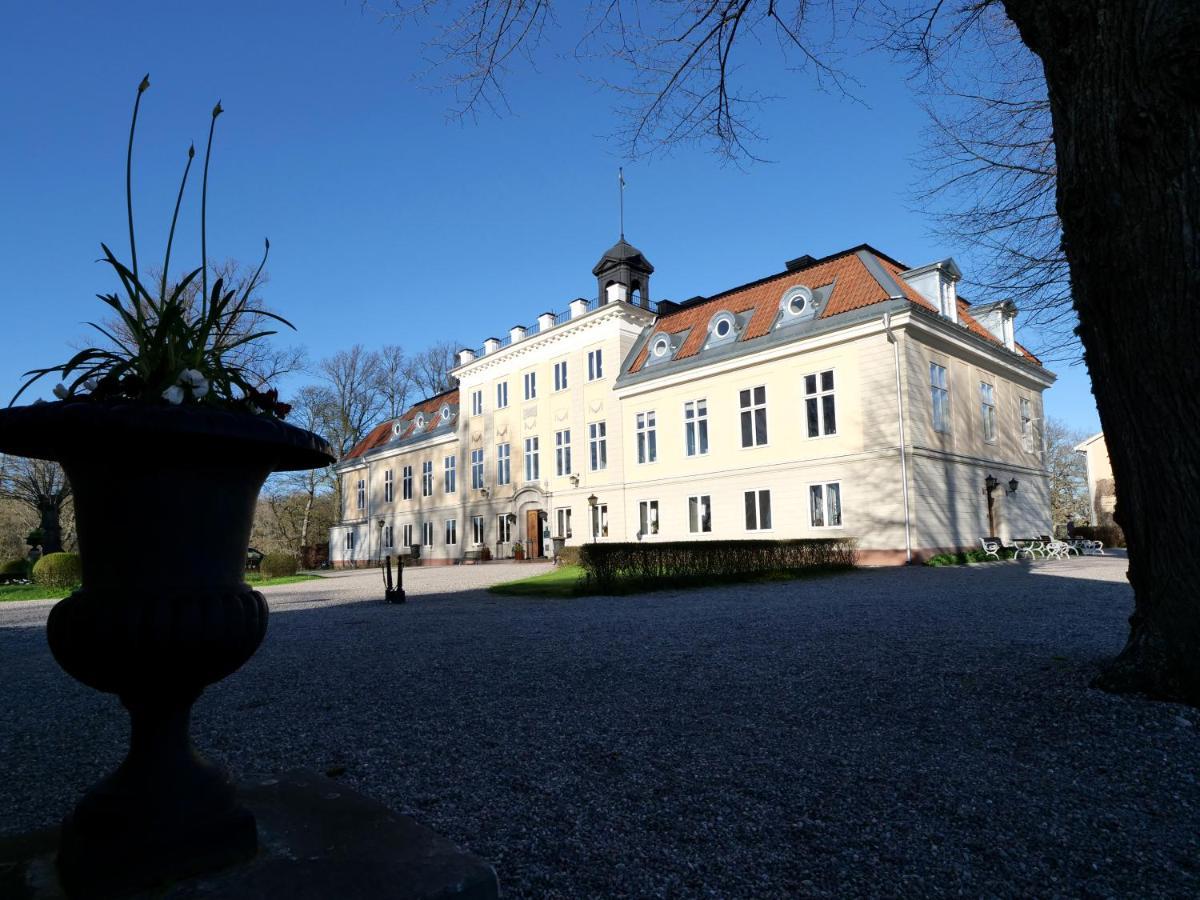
(164, 503)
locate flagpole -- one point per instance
(621, 182)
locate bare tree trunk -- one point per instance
(308, 505)
(1124, 89)
(50, 522)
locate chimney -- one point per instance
(616, 293)
(465, 356)
(800, 262)
(516, 333)
(491, 345)
(545, 321)
(578, 307)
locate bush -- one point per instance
(1108, 535)
(569, 556)
(58, 570)
(16, 568)
(277, 565)
(966, 556)
(616, 566)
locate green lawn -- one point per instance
(37, 592)
(565, 581)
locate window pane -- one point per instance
(814, 422)
(835, 503)
(745, 398)
(817, 505)
(751, 512)
(830, 420)
(827, 381)
(747, 430)
(690, 438)
(764, 509)
(703, 435)
(760, 395)
(693, 514)
(810, 384)
(760, 425)
(653, 445)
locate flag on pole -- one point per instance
(621, 177)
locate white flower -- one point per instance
(91, 384)
(61, 392)
(199, 390)
(173, 394)
(192, 378)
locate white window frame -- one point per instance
(427, 533)
(598, 518)
(504, 463)
(749, 409)
(758, 510)
(598, 445)
(649, 518)
(477, 469)
(427, 478)
(532, 461)
(389, 486)
(695, 427)
(388, 537)
(451, 532)
(503, 529)
(450, 474)
(595, 360)
(406, 535)
(477, 402)
(939, 397)
(560, 375)
(360, 494)
(562, 453)
(351, 538)
(1025, 412)
(478, 537)
(562, 521)
(646, 429)
(818, 396)
(501, 395)
(702, 503)
(406, 482)
(530, 380)
(987, 410)
(826, 504)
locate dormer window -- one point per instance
(445, 414)
(397, 429)
(798, 303)
(722, 329)
(420, 420)
(661, 346)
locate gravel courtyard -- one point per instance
(889, 732)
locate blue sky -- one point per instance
(390, 223)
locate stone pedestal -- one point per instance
(316, 839)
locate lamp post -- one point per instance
(380, 523)
(595, 522)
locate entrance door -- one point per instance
(533, 531)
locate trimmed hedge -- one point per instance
(15, 568)
(58, 570)
(1108, 535)
(277, 565)
(614, 566)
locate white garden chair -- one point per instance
(991, 547)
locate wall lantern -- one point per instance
(1012, 486)
(991, 483)
(592, 501)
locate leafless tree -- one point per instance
(1122, 86)
(394, 379)
(351, 381)
(990, 180)
(292, 498)
(429, 370)
(1068, 473)
(42, 487)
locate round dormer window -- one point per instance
(722, 325)
(420, 421)
(799, 302)
(661, 346)
(445, 414)
(397, 428)
(723, 328)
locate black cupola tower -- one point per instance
(623, 274)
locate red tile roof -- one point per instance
(854, 287)
(382, 433)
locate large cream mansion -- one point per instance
(847, 395)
